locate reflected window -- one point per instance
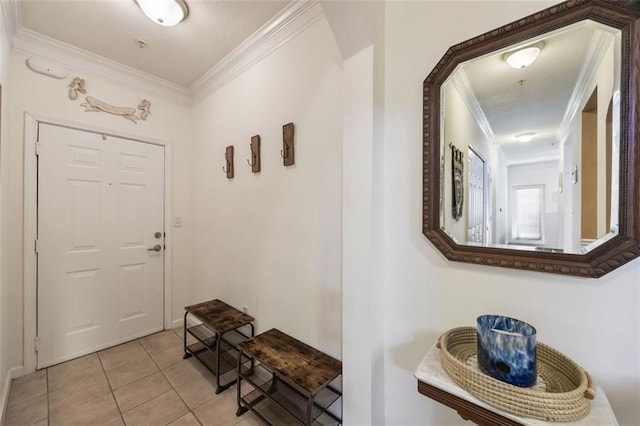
(527, 219)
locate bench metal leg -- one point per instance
(184, 337)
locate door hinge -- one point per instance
(37, 148)
(36, 245)
(36, 344)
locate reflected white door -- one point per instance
(476, 209)
(100, 205)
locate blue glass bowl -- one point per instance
(507, 350)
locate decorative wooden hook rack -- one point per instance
(287, 152)
(255, 154)
(228, 156)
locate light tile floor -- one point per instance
(143, 382)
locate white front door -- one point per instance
(100, 210)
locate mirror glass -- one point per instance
(530, 143)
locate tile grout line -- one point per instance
(173, 362)
(124, 386)
(140, 378)
(238, 420)
(110, 387)
(62, 388)
(181, 337)
(173, 388)
(127, 384)
(46, 374)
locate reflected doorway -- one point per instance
(476, 210)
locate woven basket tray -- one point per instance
(564, 398)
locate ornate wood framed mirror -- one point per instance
(531, 142)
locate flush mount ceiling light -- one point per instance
(164, 12)
(525, 137)
(523, 57)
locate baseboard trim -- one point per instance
(6, 386)
(177, 323)
(180, 322)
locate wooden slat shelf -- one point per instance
(217, 337)
(290, 375)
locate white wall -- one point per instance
(565, 207)
(6, 320)
(604, 84)
(272, 240)
(595, 322)
(462, 130)
(358, 29)
(500, 194)
(363, 252)
(45, 96)
(605, 81)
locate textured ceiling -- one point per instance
(179, 54)
(533, 99)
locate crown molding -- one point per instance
(600, 41)
(287, 24)
(12, 18)
(291, 21)
(463, 86)
(30, 43)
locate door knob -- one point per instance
(157, 247)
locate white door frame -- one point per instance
(31, 122)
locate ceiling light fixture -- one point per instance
(525, 137)
(164, 12)
(523, 57)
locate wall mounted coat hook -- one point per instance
(287, 152)
(253, 159)
(255, 154)
(228, 156)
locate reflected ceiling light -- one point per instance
(523, 57)
(525, 137)
(164, 12)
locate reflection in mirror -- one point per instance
(537, 128)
